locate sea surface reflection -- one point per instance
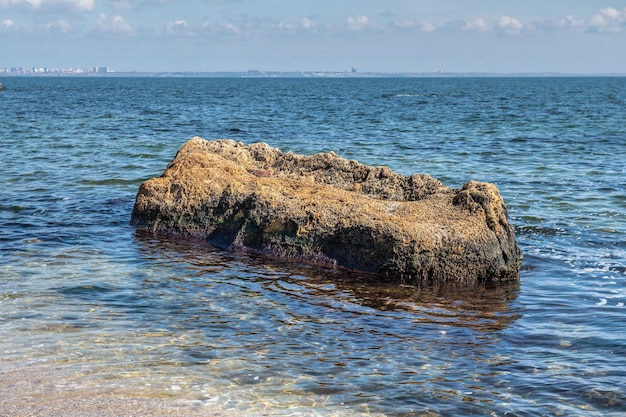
(242, 332)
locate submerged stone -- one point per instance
(332, 211)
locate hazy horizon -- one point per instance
(392, 36)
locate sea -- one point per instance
(86, 296)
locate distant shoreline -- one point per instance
(300, 74)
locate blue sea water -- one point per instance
(84, 294)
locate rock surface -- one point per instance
(333, 211)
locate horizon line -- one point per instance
(106, 71)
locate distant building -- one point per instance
(100, 70)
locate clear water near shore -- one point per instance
(82, 293)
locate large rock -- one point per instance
(333, 211)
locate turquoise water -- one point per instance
(82, 292)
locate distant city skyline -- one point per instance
(353, 72)
(49, 70)
(453, 36)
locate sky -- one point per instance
(493, 36)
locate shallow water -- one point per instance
(83, 293)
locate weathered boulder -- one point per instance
(332, 211)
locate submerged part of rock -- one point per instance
(333, 211)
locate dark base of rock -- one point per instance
(332, 211)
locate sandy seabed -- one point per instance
(41, 392)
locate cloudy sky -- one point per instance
(570, 36)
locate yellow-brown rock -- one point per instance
(333, 211)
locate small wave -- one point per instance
(620, 269)
(393, 95)
(14, 208)
(118, 201)
(539, 230)
(112, 181)
(85, 290)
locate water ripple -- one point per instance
(83, 294)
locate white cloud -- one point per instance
(553, 25)
(357, 23)
(426, 27)
(7, 23)
(134, 4)
(611, 13)
(59, 25)
(229, 27)
(479, 25)
(509, 25)
(179, 27)
(223, 28)
(288, 27)
(308, 24)
(304, 24)
(405, 23)
(413, 24)
(567, 22)
(115, 25)
(608, 20)
(50, 6)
